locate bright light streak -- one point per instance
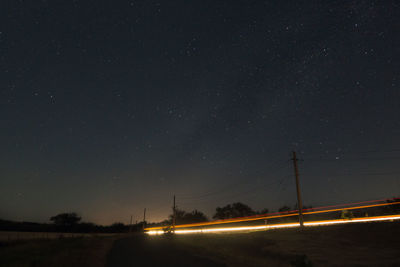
(277, 226)
(256, 218)
(355, 220)
(155, 232)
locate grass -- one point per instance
(58, 252)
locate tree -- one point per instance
(188, 217)
(179, 215)
(195, 216)
(118, 227)
(66, 219)
(233, 210)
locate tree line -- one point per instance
(72, 222)
(229, 211)
(67, 223)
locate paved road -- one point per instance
(144, 250)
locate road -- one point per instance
(143, 250)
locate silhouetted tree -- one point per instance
(119, 227)
(87, 227)
(186, 217)
(180, 215)
(66, 219)
(196, 216)
(64, 222)
(233, 211)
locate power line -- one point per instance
(356, 174)
(247, 187)
(252, 191)
(347, 152)
(299, 201)
(226, 188)
(352, 159)
(252, 188)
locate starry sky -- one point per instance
(110, 107)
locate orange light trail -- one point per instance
(278, 226)
(348, 204)
(258, 217)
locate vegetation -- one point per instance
(72, 222)
(284, 209)
(188, 217)
(67, 223)
(66, 219)
(233, 210)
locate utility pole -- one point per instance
(144, 218)
(299, 202)
(130, 225)
(174, 216)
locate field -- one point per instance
(362, 244)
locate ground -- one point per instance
(147, 251)
(364, 244)
(61, 252)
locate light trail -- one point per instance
(261, 217)
(278, 226)
(348, 204)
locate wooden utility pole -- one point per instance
(144, 218)
(299, 202)
(130, 225)
(174, 216)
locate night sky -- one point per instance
(108, 107)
